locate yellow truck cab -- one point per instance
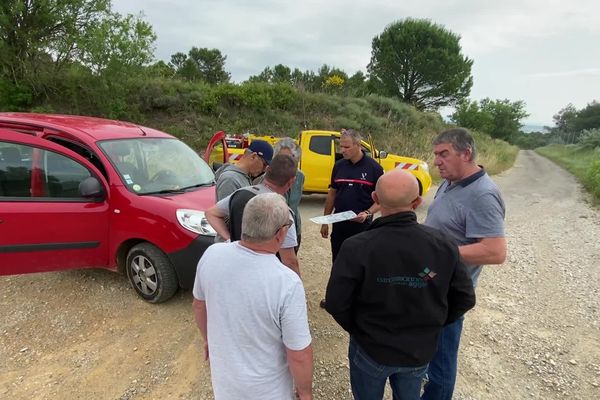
(320, 151)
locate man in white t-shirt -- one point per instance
(251, 311)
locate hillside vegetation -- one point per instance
(194, 111)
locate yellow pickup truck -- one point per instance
(320, 151)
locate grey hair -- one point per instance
(288, 143)
(352, 134)
(460, 139)
(263, 216)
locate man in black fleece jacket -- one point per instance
(393, 288)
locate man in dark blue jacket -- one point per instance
(393, 288)
(353, 180)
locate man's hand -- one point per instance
(361, 217)
(324, 231)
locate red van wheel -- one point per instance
(150, 273)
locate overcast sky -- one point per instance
(544, 52)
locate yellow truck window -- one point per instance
(320, 145)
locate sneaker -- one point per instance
(322, 303)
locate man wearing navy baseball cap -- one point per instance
(263, 149)
(254, 161)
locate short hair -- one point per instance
(282, 169)
(263, 216)
(352, 134)
(460, 139)
(288, 143)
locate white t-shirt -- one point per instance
(256, 307)
(290, 240)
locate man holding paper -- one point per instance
(353, 180)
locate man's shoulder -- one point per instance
(484, 188)
(232, 171)
(371, 161)
(243, 195)
(219, 248)
(435, 234)
(420, 232)
(486, 182)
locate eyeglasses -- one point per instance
(264, 162)
(286, 225)
(262, 159)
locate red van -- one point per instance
(81, 192)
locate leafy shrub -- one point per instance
(590, 138)
(14, 97)
(592, 179)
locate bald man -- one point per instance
(393, 288)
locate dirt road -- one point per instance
(534, 334)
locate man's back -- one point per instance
(256, 308)
(410, 283)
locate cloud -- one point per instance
(576, 73)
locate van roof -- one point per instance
(95, 128)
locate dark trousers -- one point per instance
(368, 377)
(342, 231)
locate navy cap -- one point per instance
(263, 149)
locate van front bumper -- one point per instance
(186, 260)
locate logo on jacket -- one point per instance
(427, 274)
(363, 176)
(414, 282)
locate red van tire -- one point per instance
(150, 273)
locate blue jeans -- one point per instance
(368, 377)
(443, 367)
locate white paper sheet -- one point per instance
(333, 218)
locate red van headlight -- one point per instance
(195, 221)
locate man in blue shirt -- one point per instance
(468, 208)
(353, 180)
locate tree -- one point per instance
(588, 117)
(161, 69)
(35, 33)
(278, 74)
(506, 116)
(203, 64)
(177, 60)
(48, 45)
(421, 63)
(564, 118)
(117, 43)
(500, 119)
(469, 115)
(571, 123)
(356, 85)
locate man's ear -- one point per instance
(374, 197)
(467, 155)
(290, 183)
(280, 235)
(416, 202)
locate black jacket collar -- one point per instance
(405, 218)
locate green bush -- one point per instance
(590, 138)
(592, 179)
(14, 97)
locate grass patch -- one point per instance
(582, 162)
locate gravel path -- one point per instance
(534, 334)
